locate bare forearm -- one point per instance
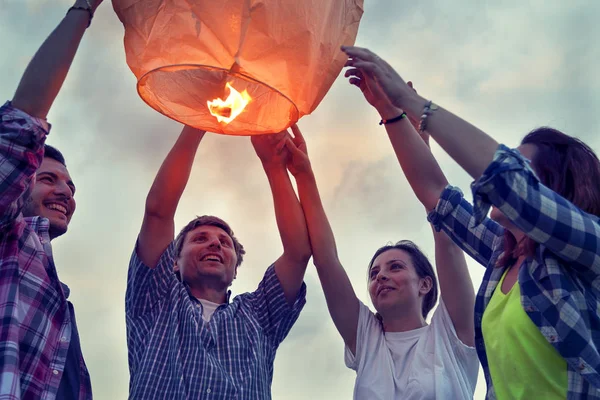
(455, 286)
(174, 173)
(469, 146)
(418, 164)
(321, 235)
(48, 69)
(289, 215)
(341, 300)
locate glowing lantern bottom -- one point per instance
(182, 92)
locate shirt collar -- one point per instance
(227, 296)
(65, 289)
(41, 226)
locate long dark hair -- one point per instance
(422, 266)
(567, 166)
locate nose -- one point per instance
(215, 243)
(382, 276)
(62, 188)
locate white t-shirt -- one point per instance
(208, 309)
(425, 363)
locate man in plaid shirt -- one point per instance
(40, 355)
(186, 339)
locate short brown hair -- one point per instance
(54, 153)
(209, 220)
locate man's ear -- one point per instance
(176, 267)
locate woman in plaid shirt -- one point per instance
(537, 322)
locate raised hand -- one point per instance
(380, 73)
(373, 93)
(298, 161)
(271, 149)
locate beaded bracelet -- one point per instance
(429, 109)
(88, 9)
(389, 121)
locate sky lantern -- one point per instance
(238, 67)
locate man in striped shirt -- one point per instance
(186, 339)
(40, 355)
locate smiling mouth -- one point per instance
(57, 207)
(212, 257)
(384, 290)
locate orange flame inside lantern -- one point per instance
(227, 110)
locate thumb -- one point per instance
(410, 85)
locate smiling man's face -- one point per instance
(52, 196)
(208, 253)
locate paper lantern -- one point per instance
(280, 57)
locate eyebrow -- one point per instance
(54, 176)
(221, 235)
(388, 263)
(396, 260)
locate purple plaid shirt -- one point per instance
(35, 332)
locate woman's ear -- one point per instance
(426, 285)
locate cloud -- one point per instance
(506, 66)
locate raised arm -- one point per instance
(428, 182)
(422, 171)
(503, 178)
(291, 265)
(158, 227)
(341, 300)
(470, 147)
(48, 69)
(456, 286)
(456, 215)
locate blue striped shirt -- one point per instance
(175, 354)
(560, 284)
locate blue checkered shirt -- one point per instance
(175, 354)
(560, 285)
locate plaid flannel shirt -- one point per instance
(35, 332)
(560, 285)
(175, 354)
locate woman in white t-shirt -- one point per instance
(396, 354)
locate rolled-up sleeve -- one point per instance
(510, 184)
(145, 285)
(455, 216)
(22, 140)
(275, 315)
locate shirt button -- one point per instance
(55, 372)
(64, 339)
(208, 391)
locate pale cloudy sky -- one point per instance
(506, 65)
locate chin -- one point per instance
(58, 228)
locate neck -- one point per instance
(516, 232)
(396, 322)
(215, 295)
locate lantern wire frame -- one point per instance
(209, 122)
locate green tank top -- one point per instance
(523, 365)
